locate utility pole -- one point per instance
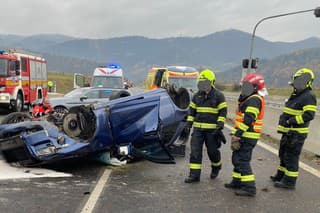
(250, 60)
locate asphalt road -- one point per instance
(148, 187)
(88, 186)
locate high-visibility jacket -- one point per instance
(208, 111)
(249, 117)
(299, 110)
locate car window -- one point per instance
(93, 94)
(105, 93)
(75, 93)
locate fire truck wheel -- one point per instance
(16, 117)
(18, 105)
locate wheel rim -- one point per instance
(19, 103)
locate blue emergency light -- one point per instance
(114, 66)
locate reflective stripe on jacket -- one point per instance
(206, 111)
(249, 115)
(299, 110)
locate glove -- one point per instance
(187, 128)
(221, 136)
(220, 125)
(283, 121)
(235, 143)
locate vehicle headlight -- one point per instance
(4, 97)
(47, 150)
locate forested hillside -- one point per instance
(222, 51)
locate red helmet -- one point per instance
(257, 81)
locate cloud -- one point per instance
(157, 19)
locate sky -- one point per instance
(101, 19)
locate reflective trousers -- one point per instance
(242, 173)
(212, 143)
(289, 154)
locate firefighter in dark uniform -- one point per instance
(207, 115)
(247, 130)
(299, 110)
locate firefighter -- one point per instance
(245, 134)
(207, 114)
(50, 85)
(299, 110)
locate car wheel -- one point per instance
(16, 117)
(61, 109)
(71, 125)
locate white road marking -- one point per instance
(9, 172)
(89, 206)
(302, 165)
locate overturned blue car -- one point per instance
(149, 125)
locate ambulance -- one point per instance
(181, 76)
(110, 76)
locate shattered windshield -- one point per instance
(189, 83)
(3, 67)
(108, 82)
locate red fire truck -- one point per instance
(23, 79)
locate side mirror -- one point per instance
(83, 98)
(17, 65)
(317, 12)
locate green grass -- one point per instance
(65, 84)
(64, 81)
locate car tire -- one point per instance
(61, 109)
(16, 117)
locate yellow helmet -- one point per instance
(303, 78)
(207, 75)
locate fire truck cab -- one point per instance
(180, 76)
(23, 79)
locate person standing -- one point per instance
(245, 134)
(294, 123)
(207, 115)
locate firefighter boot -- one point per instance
(277, 177)
(232, 185)
(244, 191)
(192, 179)
(284, 185)
(214, 172)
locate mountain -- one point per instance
(64, 64)
(221, 51)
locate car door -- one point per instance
(136, 122)
(79, 80)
